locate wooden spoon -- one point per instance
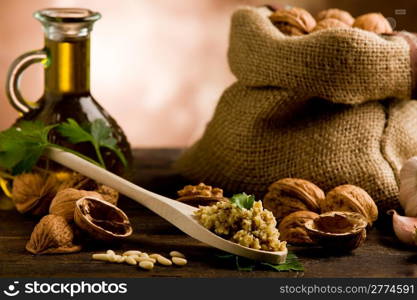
(178, 214)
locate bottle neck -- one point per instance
(67, 70)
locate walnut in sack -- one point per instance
(200, 194)
(293, 21)
(335, 13)
(374, 22)
(330, 23)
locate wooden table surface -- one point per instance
(380, 256)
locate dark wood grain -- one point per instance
(380, 256)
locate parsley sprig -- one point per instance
(247, 265)
(97, 133)
(243, 200)
(22, 146)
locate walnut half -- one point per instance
(201, 194)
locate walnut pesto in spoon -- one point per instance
(244, 221)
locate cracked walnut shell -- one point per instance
(337, 230)
(288, 195)
(292, 228)
(350, 198)
(201, 194)
(335, 13)
(374, 22)
(52, 235)
(101, 220)
(293, 21)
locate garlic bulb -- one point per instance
(404, 227)
(408, 187)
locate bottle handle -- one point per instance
(13, 77)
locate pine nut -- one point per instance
(135, 256)
(164, 261)
(132, 252)
(100, 256)
(120, 259)
(176, 254)
(111, 257)
(144, 254)
(179, 261)
(154, 255)
(140, 259)
(130, 260)
(147, 265)
(110, 252)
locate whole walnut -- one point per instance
(32, 193)
(374, 22)
(335, 13)
(293, 21)
(52, 235)
(288, 195)
(63, 203)
(330, 23)
(350, 198)
(292, 227)
(80, 182)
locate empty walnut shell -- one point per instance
(335, 13)
(374, 22)
(329, 24)
(52, 235)
(80, 182)
(288, 195)
(63, 203)
(350, 198)
(101, 220)
(292, 230)
(33, 192)
(201, 194)
(293, 21)
(338, 231)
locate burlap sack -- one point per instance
(332, 107)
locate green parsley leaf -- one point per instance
(243, 200)
(247, 265)
(291, 264)
(21, 146)
(98, 133)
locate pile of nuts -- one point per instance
(142, 259)
(67, 201)
(296, 21)
(297, 202)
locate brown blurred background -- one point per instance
(158, 66)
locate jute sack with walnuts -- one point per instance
(332, 107)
